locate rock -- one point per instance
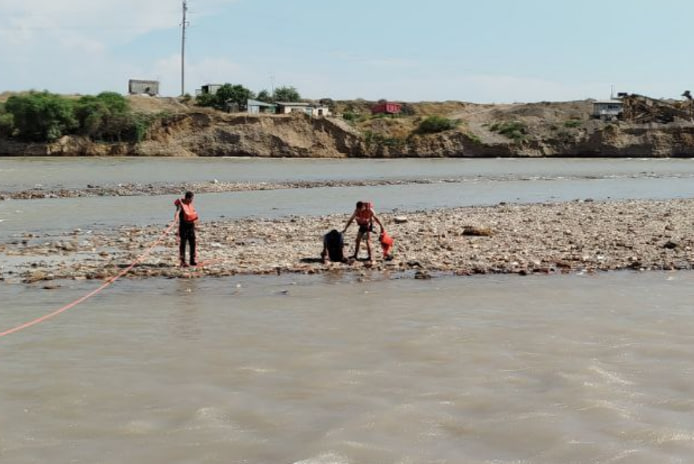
(422, 275)
(35, 276)
(671, 245)
(400, 219)
(477, 231)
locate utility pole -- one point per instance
(184, 24)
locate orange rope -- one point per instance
(93, 292)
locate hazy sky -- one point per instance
(410, 50)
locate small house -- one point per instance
(209, 89)
(386, 107)
(257, 107)
(294, 107)
(320, 110)
(142, 87)
(607, 109)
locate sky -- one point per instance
(481, 51)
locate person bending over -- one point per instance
(364, 216)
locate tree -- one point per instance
(329, 102)
(6, 122)
(225, 96)
(237, 94)
(286, 94)
(264, 96)
(41, 116)
(106, 117)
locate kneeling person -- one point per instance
(333, 245)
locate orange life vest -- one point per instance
(364, 216)
(189, 213)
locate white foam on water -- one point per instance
(327, 458)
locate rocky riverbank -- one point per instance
(214, 186)
(579, 236)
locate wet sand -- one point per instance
(578, 236)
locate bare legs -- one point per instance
(366, 236)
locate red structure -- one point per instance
(386, 108)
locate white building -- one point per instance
(306, 108)
(607, 109)
(140, 87)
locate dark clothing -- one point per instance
(186, 232)
(333, 244)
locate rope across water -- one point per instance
(108, 282)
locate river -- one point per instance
(347, 369)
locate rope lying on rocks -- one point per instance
(108, 282)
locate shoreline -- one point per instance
(214, 186)
(546, 238)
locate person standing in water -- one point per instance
(187, 221)
(364, 215)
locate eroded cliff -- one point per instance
(517, 130)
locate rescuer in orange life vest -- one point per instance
(365, 216)
(187, 219)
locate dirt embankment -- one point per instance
(523, 130)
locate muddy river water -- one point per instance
(342, 368)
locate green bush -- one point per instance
(474, 137)
(6, 122)
(515, 130)
(6, 125)
(41, 116)
(374, 138)
(44, 117)
(205, 99)
(227, 94)
(107, 117)
(434, 124)
(572, 123)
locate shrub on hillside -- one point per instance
(6, 122)
(107, 117)
(45, 117)
(434, 124)
(349, 116)
(41, 116)
(572, 123)
(515, 130)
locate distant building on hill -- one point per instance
(300, 107)
(386, 107)
(139, 87)
(208, 89)
(257, 107)
(321, 110)
(294, 107)
(607, 109)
